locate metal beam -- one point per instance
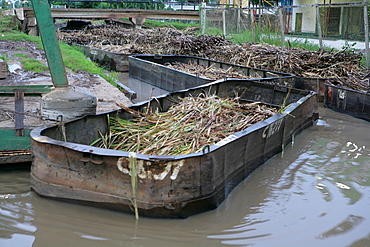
(29, 89)
(116, 13)
(50, 42)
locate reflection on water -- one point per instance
(144, 91)
(16, 220)
(317, 193)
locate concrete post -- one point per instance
(138, 22)
(224, 22)
(203, 17)
(318, 22)
(282, 26)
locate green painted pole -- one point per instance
(50, 42)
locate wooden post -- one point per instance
(318, 23)
(366, 30)
(19, 113)
(3, 69)
(282, 28)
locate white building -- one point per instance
(342, 21)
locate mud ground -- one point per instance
(106, 94)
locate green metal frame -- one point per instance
(49, 40)
(31, 89)
(14, 142)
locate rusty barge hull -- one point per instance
(168, 186)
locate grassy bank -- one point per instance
(176, 24)
(273, 39)
(73, 58)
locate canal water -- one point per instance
(315, 193)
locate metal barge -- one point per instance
(173, 186)
(139, 67)
(114, 61)
(152, 69)
(348, 101)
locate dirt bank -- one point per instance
(13, 52)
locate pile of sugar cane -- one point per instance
(209, 71)
(185, 128)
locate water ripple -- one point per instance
(16, 215)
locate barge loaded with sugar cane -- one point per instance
(351, 99)
(349, 95)
(67, 167)
(177, 72)
(314, 70)
(158, 71)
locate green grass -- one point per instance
(304, 44)
(213, 31)
(30, 64)
(5, 58)
(8, 23)
(20, 55)
(273, 39)
(19, 36)
(9, 30)
(76, 60)
(177, 24)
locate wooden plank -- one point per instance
(3, 69)
(19, 113)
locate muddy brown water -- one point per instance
(315, 193)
